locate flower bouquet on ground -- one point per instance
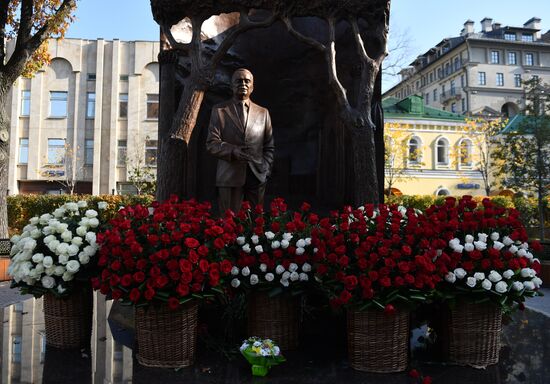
(273, 254)
(163, 259)
(261, 354)
(55, 256)
(368, 261)
(490, 270)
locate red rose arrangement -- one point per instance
(169, 253)
(482, 251)
(368, 257)
(273, 250)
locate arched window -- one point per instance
(442, 151)
(465, 153)
(414, 151)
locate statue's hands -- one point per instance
(240, 154)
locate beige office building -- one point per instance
(479, 73)
(88, 116)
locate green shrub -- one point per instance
(22, 207)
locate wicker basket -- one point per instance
(474, 334)
(276, 318)
(378, 342)
(167, 338)
(69, 320)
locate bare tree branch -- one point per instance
(358, 39)
(173, 42)
(305, 39)
(244, 25)
(25, 24)
(196, 44)
(330, 54)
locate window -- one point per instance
(465, 153)
(435, 94)
(90, 76)
(431, 77)
(90, 105)
(414, 151)
(427, 97)
(453, 90)
(510, 36)
(24, 150)
(58, 104)
(123, 77)
(529, 59)
(151, 153)
(495, 57)
(25, 103)
(512, 58)
(442, 152)
(528, 37)
(443, 90)
(123, 105)
(442, 192)
(121, 153)
(462, 81)
(447, 69)
(89, 152)
(457, 63)
(500, 79)
(453, 107)
(517, 80)
(439, 76)
(482, 79)
(463, 105)
(153, 106)
(56, 151)
(417, 86)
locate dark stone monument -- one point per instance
(316, 65)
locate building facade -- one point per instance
(87, 117)
(479, 73)
(429, 151)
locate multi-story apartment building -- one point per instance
(88, 116)
(479, 73)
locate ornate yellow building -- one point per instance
(430, 151)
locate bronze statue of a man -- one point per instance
(241, 137)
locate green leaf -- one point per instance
(378, 304)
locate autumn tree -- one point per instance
(524, 154)
(141, 171)
(482, 135)
(29, 23)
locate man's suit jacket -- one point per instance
(226, 132)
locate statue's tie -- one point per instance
(242, 112)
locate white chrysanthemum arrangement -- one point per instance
(55, 248)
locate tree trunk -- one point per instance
(364, 179)
(4, 159)
(173, 171)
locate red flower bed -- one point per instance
(370, 257)
(170, 253)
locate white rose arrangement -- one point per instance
(55, 249)
(493, 267)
